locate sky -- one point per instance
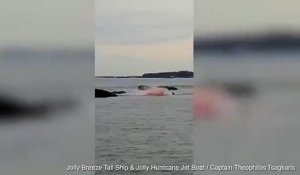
(138, 36)
(42, 23)
(215, 17)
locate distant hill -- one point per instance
(180, 74)
(260, 42)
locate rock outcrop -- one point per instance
(118, 92)
(100, 93)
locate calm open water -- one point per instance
(143, 129)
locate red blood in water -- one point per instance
(206, 102)
(155, 91)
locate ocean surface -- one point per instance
(135, 129)
(260, 129)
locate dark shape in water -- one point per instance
(119, 92)
(143, 87)
(100, 93)
(239, 89)
(171, 88)
(13, 108)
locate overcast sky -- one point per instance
(215, 17)
(138, 36)
(42, 23)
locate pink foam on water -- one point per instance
(207, 102)
(155, 91)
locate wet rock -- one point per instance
(119, 92)
(100, 93)
(12, 108)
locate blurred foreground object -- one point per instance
(46, 86)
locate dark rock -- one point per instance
(12, 108)
(99, 93)
(119, 92)
(171, 88)
(143, 87)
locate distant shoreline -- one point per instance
(179, 74)
(270, 41)
(134, 77)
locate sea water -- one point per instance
(260, 129)
(144, 130)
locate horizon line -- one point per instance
(140, 76)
